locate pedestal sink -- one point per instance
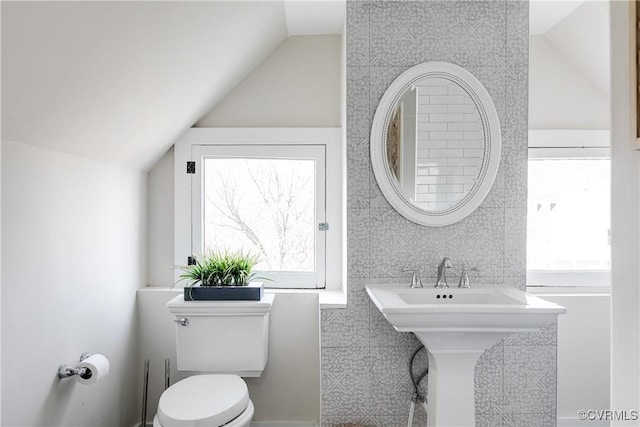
(457, 326)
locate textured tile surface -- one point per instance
(358, 173)
(517, 106)
(489, 420)
(478, 241)
(546, 336)
(391, 388)
(515, 241)
(365, 380)
(530, 379)
(382, 334)
(529, 420)
(350, 327)
(398, 244)
(358, 34)
(393, 34)
(515, 166)
(358, 111)
(358, 246)
(376, 198)
(467, 33)
(345, 382)
(488, 381)
(517, 33)
(380, 78)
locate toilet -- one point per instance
(217, 343)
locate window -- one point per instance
(269, 192)
(265, 200)
(568, 214)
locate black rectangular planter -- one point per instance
(251, 292)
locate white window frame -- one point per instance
(199, 141)
(317, 153)
(566, 144)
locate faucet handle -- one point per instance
(464, 277)
(464, 280)
(416, 282)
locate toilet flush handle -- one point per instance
(184, 321)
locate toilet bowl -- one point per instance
(221, 341)
(205, 400)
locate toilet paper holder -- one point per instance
(66, 371)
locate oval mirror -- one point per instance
(435, 143)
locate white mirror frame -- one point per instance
(492, 138)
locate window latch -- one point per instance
(191, 167)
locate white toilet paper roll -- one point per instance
(97, 367)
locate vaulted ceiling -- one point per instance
(120, 81)
(569, 65)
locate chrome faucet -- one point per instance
(415, 279)
(464, 277)
(442, 273)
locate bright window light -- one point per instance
(262, 206)
(265, 200)
(568, 215)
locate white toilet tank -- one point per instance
(222, 336)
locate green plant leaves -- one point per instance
(220, 269)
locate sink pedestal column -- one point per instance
(450, 399)
(452, 361)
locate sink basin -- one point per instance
(457, 326)
(500, 311)
(457, 296)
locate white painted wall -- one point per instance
(625, 199)
(584, 361)
(561, 95)
(301, 84)
(0, 281)
(289, 388)
(73, 255)
(298, 85)
(160, 236)
(582, 38)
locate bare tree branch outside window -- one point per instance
(265, 206)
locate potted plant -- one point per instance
(221, 276)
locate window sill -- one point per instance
(569, 290)
(327, 298)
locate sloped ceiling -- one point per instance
(545, 14)
(569, 69)
(561, 96)
(119, 81)
(314, 17)
(278, 92)
(583, 38)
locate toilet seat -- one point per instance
(203, 400)
(243, 420)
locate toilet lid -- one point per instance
(203, 400)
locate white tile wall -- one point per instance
(445, 109)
